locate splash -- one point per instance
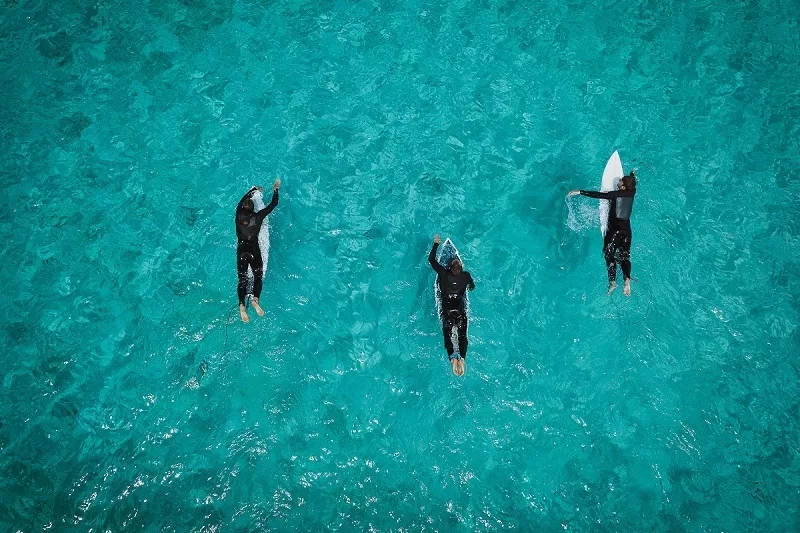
(580, 215)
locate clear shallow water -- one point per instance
(133, 399)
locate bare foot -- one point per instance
(462, 366)
(626, 290)
(257, 307)
(611, 287)
(243, 314)
(454, 362)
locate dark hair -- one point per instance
(629, 182)
(248, 206)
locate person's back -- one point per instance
(453, 283)
(619, 213)
(248, 223)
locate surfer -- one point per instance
(617, 240)
(453, 284)
(248, 253)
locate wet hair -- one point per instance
(629, 182)
(453, 263)
(248, 205)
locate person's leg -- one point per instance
(447, 330)
(462, 337)
(257, 264)
(462, 345)
(610, 254)
(448, 342)
(241, 270)
(625, 262)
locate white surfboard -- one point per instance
(611, 176)
(446, 253)
(263, 239)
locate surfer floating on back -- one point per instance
(453, 283)
(617, 240)
(248, 253)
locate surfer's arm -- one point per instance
(602, 195)
(432, 259)
(471, 284)
(267, 210)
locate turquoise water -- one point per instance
(133, 398)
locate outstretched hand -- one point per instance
(436, 239)
(276, 185)
(573, 193)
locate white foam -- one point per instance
(581, 215)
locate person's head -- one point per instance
(628, 183)
(248, 206)
(455, 266)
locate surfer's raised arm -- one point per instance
(623, 191)
(610, 195)
(273, 204)
(595, 194)
(432, 256)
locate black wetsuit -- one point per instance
(453, 287)
(617, 242)
(248, 253)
